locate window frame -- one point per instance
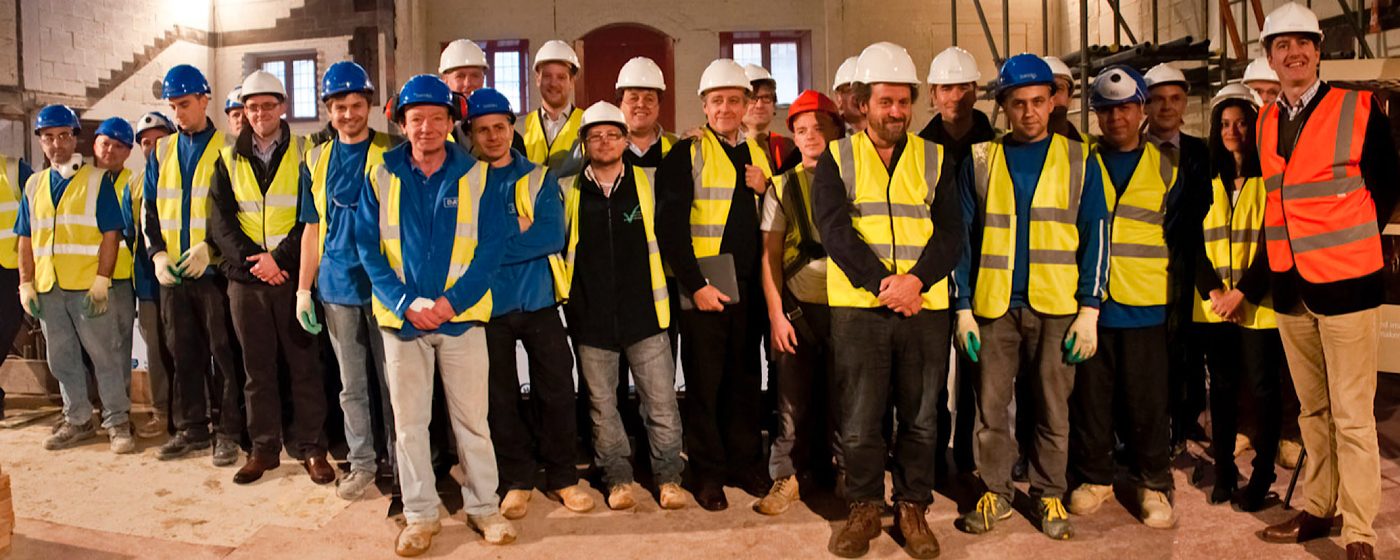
(288, 59)
(522, 48)
(766, 39)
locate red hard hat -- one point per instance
(812, 100)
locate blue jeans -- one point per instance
(105, 338)
(355, 338)
(655, 375)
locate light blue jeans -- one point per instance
(355, 338)
(655, 375)
(106, 339)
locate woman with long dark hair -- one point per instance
(1234, 318)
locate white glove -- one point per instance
(306, 312)
(29, 298)
(165, 274)
(1082, 339)
(194, 262)
(419, 304)
(969, 338)
(95, 302)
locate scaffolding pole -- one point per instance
(1084, 66)
(987, 30)
(953, 13)
(1353, 21)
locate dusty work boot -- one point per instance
(68, 435)
(416, 538)
(153, 427)
(862, 526)
(1288, 452)
(912, 522)
(990, 509)
(672, 496)
(181, 444)
(1087, 498)
(1054, 520)
(1156, 509)
(495, 528)
(620, 497)
(226, 452)
(120, 439)
(574, 498)
(354, 484)
(1242, 444)
(516, 504)
(780, 497)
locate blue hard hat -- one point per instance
(1117, 85)
(1024, 69)
(182, 80)
(424, 89)
(487, 101)
(54, 116)
(118, 129)
(345, 77)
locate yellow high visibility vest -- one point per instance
(527, 189)
(646, 198)
(267, 218)
(169, 191)
(891, 213)
(119, 187)
(10, 195)
(1137, 262)
(714, 177)
(1054, 234)
(538, 148)
(792, 201)
(1232, 237)
(387, 188)
(64, 233)
(319, 160)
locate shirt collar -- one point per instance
(588, 173)
(563, 115)
(1303, 100)
(264, 150)
(742, 137)
(1173, 141)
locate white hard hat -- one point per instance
(1290, 18)
(1259, 71)
(845, 73)
(1164, 74)
(555, 50)
(886, 62)
(757, 73)
(459, 53)
(724, 73)
(154, 119)
(641, 72)
(261, 82)
(235, 98)
(1234, 90)
(603, 112)
(1058, 67)
(953, 66)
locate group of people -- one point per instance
(1090, 282)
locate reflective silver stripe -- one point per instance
(465, 230)
(199, 192)
(7, 233)
(273, 241)
(980, 167)
(42, 251)
(250, 207)
(706, 230)
(457, 270)
(280, 200)
(1216, 233)
(931, 170)
(1139, 250)
(1342, 155)
(892, 210)
(12, 173)
(1244, 235)
(75, 249)
(1223, 273)
(997, 221)
(697, 161)
(997, 262)
(714, 193)
(1166, 164)
(9, 206)
(1276, 233)
(1057, 215)
(660, 294)
(387, 230)
(1335, 187)
(198, 223)
(169, 224)
(901, 252)
(1053, 256)
(1335, 238)
(1076, 178)
(536, 183)
(71, 220)
(653, 248)
(846, 152)
(168, 194)
(1139, 214)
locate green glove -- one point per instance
(306, 312)
(969, 333)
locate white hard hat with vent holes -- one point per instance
(724, 73)
(461, 53)
(556, 51)
(886, 62)
(603, 112)
(757, 73)
(953, 66)
(1290, 18)
(845, 73)
(1165, 74)
(1259, 71)
(261, 82)
(1234, 90)
(641, 72)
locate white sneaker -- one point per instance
(121, 441)
(1156, 509)
(1087, 498)
(353, 485)
(516, 504)
(495, 528)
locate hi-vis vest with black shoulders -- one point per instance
(891, 213)
(10, 194)
(1138, 257)
(267, 218)
(1233, 239)
(794, 192)
(646, 199)
(64, 233)
(318, 160)
(387, 188)
(527, 190)
(170, 190)
(540, 150)
(1053, 222)
(1320, 217)
(714, 177)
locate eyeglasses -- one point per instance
(267, 107)
(766, 98)
(57, 138)
(602, 137)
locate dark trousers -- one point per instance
(881, 355)
(265, 319)
(1187, 376)
(11, 316)
(722, 410)
(544, 429)
(806, 429)
(1243, 361)
(195, 317)
(1122, 391)
(958, 429)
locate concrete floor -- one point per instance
(87, 503)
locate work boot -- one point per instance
(1298, 529)
(990, 509)
(1242, 444)
(1288, 451)
(672, 496)
(225, 452)
(258, 463)
(120, 439)
(574, 498)
(1087, 498)
(1256, 493)
(1021, 469)
(711, 497)
(1361, 551)
(153, 427)
(862, 526)
(1156, 509)
(495, 528)
(416, 538)
(1226, 482)
(354, 484)
(780, 497)
(516, 504)
(919, 541)
(181, 444)
(68, 435)
(1054, 520)
(620, 497)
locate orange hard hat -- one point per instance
(812, 100)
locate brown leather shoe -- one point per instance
(1360, 551)
(1302, 528)
(258, 463)
(862, 525)
(320, 470)
(919, 541)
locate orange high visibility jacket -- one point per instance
(1319, 216)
